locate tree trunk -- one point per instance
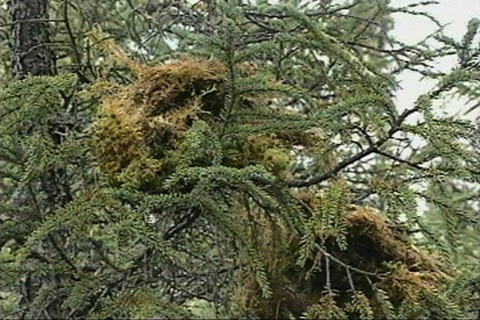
(32, 56)
(30, 37)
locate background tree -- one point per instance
(31, 52)
(173, 135)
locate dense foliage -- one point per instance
(221, 159)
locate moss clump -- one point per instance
(142, 123)
(390, 264)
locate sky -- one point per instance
(412, 29)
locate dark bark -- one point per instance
(32, 56)
(30, 37)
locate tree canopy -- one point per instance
(235, 159)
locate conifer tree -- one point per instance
(250, 161)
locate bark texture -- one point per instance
(30, 37)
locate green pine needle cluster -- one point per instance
(263, 170)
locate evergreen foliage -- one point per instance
(258, 167)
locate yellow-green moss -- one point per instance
(142, 123)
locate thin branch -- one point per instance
(343, 264)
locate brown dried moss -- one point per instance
(143, 122)
(391, 262)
